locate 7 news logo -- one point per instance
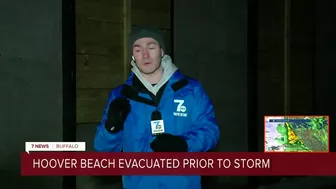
(181, 109)
(158, 126)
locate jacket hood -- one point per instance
(168, 70)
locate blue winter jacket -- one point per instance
(191, 116)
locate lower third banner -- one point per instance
(231, 164)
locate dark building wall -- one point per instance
(31, 84)
(99, 52)
(100, 29)
(301, 57)
(100, 47)
(198, 29)
(210, 44)
(325, 64)
(270, 62)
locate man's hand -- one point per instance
(169, 143)
(117, 114)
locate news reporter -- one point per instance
(158, 109)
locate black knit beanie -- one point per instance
(147, 31)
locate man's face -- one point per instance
(147, 54)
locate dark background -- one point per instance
(234, 47)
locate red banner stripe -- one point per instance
(233, 164)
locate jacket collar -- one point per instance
(168, 71)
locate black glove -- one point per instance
(169, 143)
(117, 114)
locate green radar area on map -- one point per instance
(297, 134)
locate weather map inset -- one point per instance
(297, 134)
